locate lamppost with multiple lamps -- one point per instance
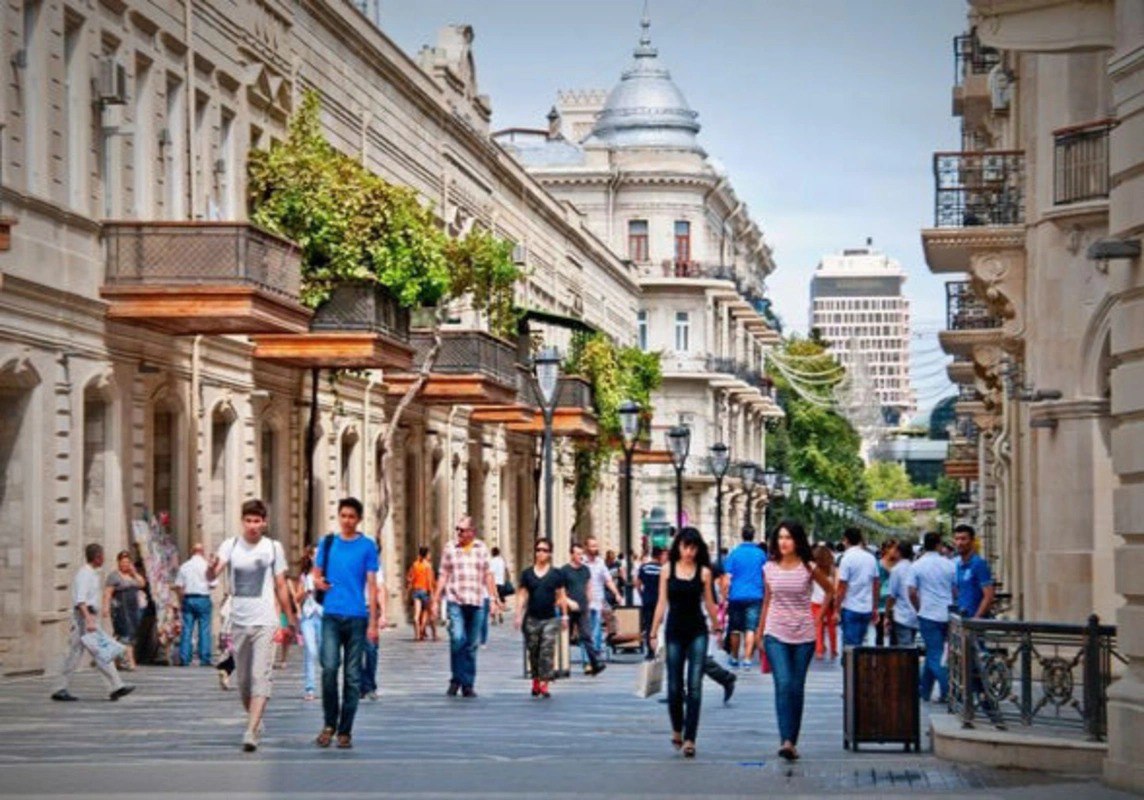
(748, 472)
(547, 365)
(630, 429)
(679, 445)
(719, 462)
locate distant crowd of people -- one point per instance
(781, 601)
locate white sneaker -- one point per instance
(250, 740)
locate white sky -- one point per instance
(826, 113)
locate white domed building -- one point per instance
(630, 160)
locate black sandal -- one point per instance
(689, 750)
(677, 741)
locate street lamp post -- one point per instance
(679, 443)
(748, 471)
(719, 463)
(548, 382)
(630, 428)
(771, 481)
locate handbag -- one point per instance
(649, 680)
(507, 588)
(103, 647)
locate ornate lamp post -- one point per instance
(771, 481)
(748, 471)
(630, 429)
(719, 462)
(679, 443)
(547, 366)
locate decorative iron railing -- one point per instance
(574, 392)
(1080, 162)
(203, 253)
(468, 352)
(970, 57)
(1032, 673)
(965, 310)
(697, 269)
(979, 188)
(720, 364)
(364, 307)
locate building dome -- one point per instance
(646, 108)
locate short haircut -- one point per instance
(354, 503)
(495, 551)
(963, 528)
(543, 540)
(423, 551)
(905, 551)
(931, 541)
(656, 551)
(575, 545)
(748, 533)
(255, 508)
(92, 552)
(852, 536)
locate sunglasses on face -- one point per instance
(543, 550)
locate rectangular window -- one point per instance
(111, 163)
(637, 240)
(228, 164)
(682, 331)
(34, 111)
(204, 160)
(682, 242)
(175, 155)
(641, 329)
(77, 111)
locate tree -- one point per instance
(355, 227)
(887, 480)
(616, 374)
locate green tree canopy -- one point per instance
(886, 480)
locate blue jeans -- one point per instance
(368, 667)
(789, 665)
(311, 637)
(934, 634)
(854, 627)
(196, 610)
(485, 621)
(464, 639)
(596, 620)
(693, 652)
(904, 635)
(343, 640)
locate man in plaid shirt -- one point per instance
(465, 580)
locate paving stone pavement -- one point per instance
(178, 736)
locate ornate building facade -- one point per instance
(153, 353)
(631, 162)
(1042, 211)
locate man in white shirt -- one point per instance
(899, 607)
(931, 588)
(499, 568)
(87, 597)
(193, 591)
(601, 580)
(256, 577)
(857, 589)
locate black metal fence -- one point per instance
(469, 352)
(1032, 673)
(970, 57)
(1080, 162)
(979, 188)
(363, 307)
(202, 253)
(965, 310)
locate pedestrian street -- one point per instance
(178, 735)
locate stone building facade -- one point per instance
(145, 111)
(630, 160)
(1043, 210)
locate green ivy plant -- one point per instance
(616, 374)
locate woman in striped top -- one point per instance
(787, 624)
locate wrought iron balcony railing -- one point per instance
(367, 308)
(201, 253)
(970, 57)
(1032, 673)
(979, 188)
(469, 352)
(1080, 162)
(965, 310)
(697, 269)
(575, 392)
(720, 364)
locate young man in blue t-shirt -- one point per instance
(743, 567)
(974, 580)
(345, 569)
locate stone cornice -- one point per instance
(1081, 408)
(976, 238)
(49, 209)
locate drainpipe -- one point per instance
(449, 464)
(367, 440)
(195, 527)
(1002, 463)
(192, 145)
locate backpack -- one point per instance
(322, 557)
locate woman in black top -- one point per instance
(541, 592)
(684, 588)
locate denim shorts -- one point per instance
(743, 615)
(421, 594)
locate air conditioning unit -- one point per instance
(519, 255)
(111, 88)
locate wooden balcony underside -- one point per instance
(447, 389)
(203, 309)
(651, 457)
(503, 414)
(333, 350)
(574, 422)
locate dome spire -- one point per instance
(645, 50)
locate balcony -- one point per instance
(972, 63)
(361, 326)
(1080, 162)
(574, 415)
(983, 188)
(969, 320)
(472, 368)
(202, 278)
